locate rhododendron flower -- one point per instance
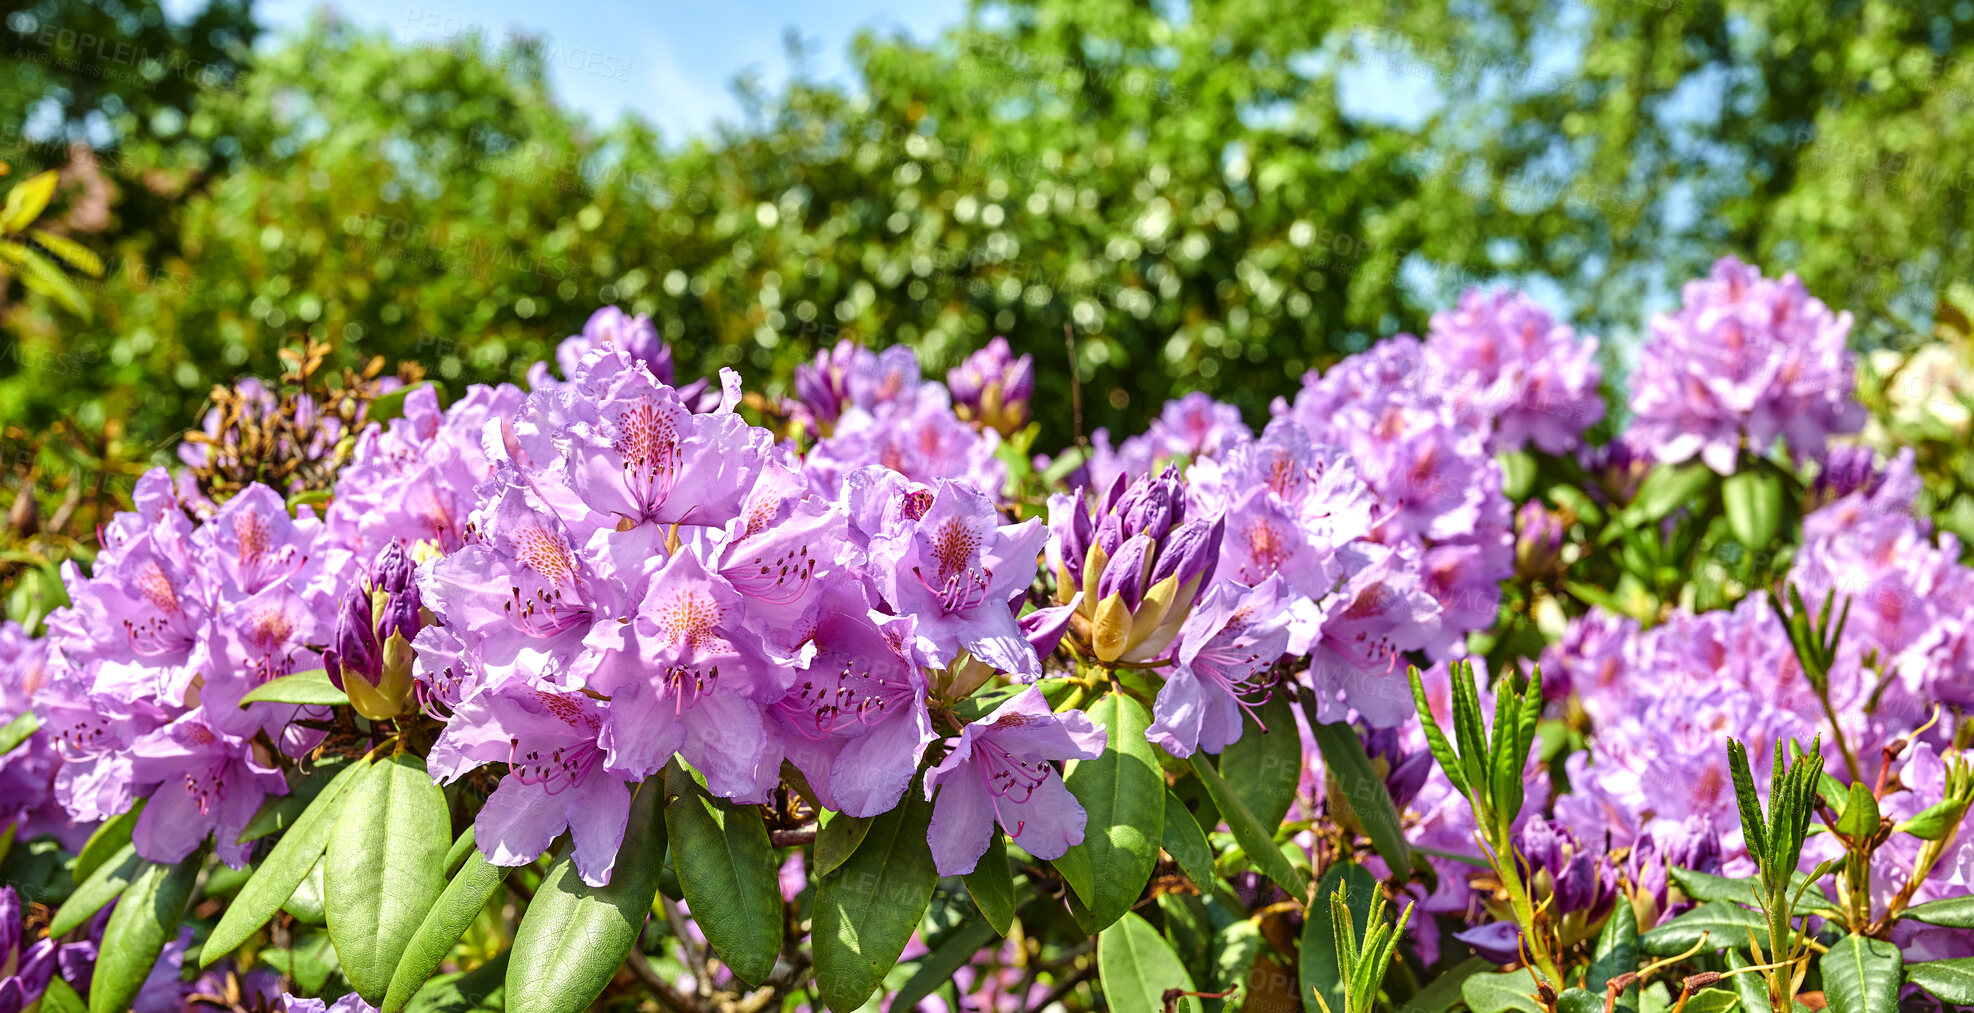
(1745, 361)
(1137, 560)
(556, 779)
(1367, 626)
(1511, 366)
(958, 571)
(1234, 634)
(993, 386)
(999, 770)
(207, 783)
(856, 722)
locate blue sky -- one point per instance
(669, 61)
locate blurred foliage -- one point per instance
(1215, 196)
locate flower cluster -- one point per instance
(1745, 361)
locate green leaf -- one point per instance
(1666, 489)
(837, 840)
(1724, 924)
(1356, 783)
(1752, 500)
(461, 902)
(284, 868)
(1492, 993)
(1136, 967)
(390, 406)
(727, 869)
(1753, 826)
(1862, 975)
(305, 904)
(1265, 766)
(868, 907)
(145, 919)
(991, 885)
(69, 252)
(574, 937)
(1703, 887)
(1442, 750)
(311, 687)
(61, 998)
(27, 200)
(106, 842)
(17, 731)
(1255, 840)
(482, 988)
(1860, 819)
(461, 849)
(280, 812)
(1952, 912)
(1443, 991)
(1231, 956)
(1617, 949)
(1708, 1000)
(386, 865)
(1935, 822)
(1579, 1000)
(1319, 970)
(937, 968)
(104, 885)
(1186, 842)
(1950, 981)
(1123, 794)
(1751, 986)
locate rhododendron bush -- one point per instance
(1456, 680)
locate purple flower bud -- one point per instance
(1499, 942)
(397, 577)
(355, 649)
(1190, 551)
(821, 386)
(636, 335)
(1125, 573)
(1846, 469)
(993, 386)
(1538, 541)
(1073, 531)
(1153, 505)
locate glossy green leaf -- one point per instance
(280, 812)
(311, 687)
(1707, 1000)
(276, 876)
(1951, 912)
(1860, 819)
(868, 907)
(1704, 887)
(1264, 766)
(937, 968)
(104, 885)
(1318, 971)
(1256, 841)
(386, 865)
(1231, 956)
(1935, 822)
(574, 937)
(1442, 992)
(1951, 981)
(837, 840)
(1617, 949)
(1667, 488)
(991, 885)
(1135, 967)
(461, 849)
(1861, 974)
(61, 997)
(1348, 771)
(461, 902)
(482, 988)
(729, 874)
(1752, 500)
(146, 918)
(107, 842)
(1579, 1000)
(17, 731)
(1123, 792)
(1492, 993)
(1751, 986)
(305, 904)
(1723, 923)
(1186, 842)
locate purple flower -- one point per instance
(556, 779)
(993, 386)
(1506, 362)
(1233, 635)
(687, 676)
(637, 454)
(919, 437)
(24, 971)
(856, 722)
(414, 481)
(1745, 361)
(1378, 615)
(1137, 560)
(957, 570)
(1539, 535)
(1198, 427)
(610, 331)
(202, 782)
(999, 769)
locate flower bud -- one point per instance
(1538, 541)
(1144, 566)
(371, 659)
(993, 387)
